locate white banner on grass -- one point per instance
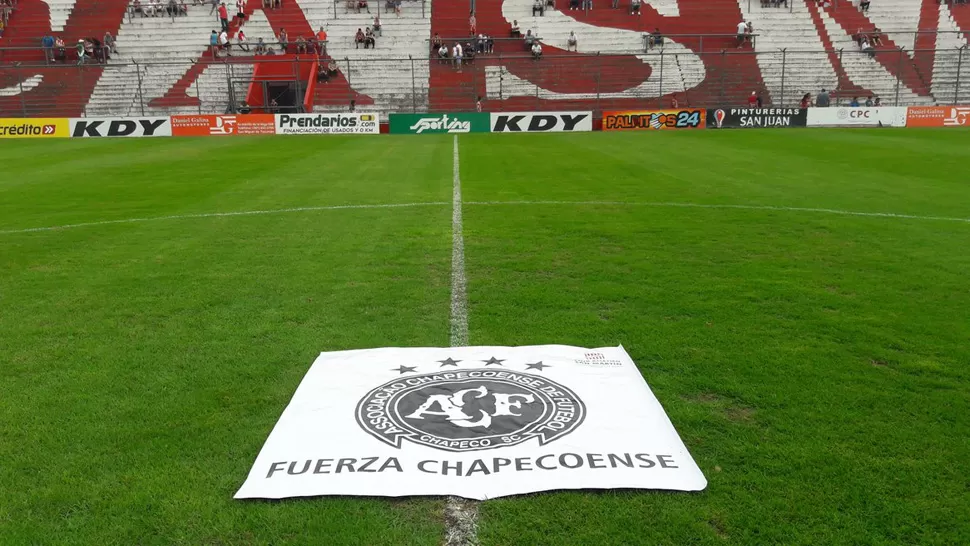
(888, 116)
(477, 422)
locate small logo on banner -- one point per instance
(223, 125)
(470, 410)
(719, 118)
(957, 117)
(49, 129)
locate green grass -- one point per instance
(815, 364)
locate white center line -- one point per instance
(461, 515)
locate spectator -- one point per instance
(753, 99)
(538, 7)
(353, 105)
(587, 5)
(468, 50)
(536, 51)
(300, 45)
(864, 6)
(156, 8)
(635, 7)
(60, 50)
(136, 8)
(397, 7)
(854, 103)
(480, 44)
(443, 52)
(573, 5)
(615, 4)
(478, 104)
(224, 42)
(858, 36)
(369, 39)
(224, 16)
(241, 41)
(456, 53)
(47, 42)
(260, 48)
(472, 24)
(183, 9)
(284, 40)
(332, 68)
(322, 75)
(822, 101)
(869, 101)
(214, 42)
(80, 51)
(655, 39)
(322, 41)
(277, 4)
(172, 8)
(867, 48)
(244, 107)
(806, 101)
(267, 4)
(436, 43)
(377, 25)
(760, 102)
(877, 103)
(362, 4)
(674, 103)
(876, 37)
(89, 50)
(215, 6)
(571, 43)
(529, 38)
(96, 51)
(489, 44)
(742, 33)
(359, 38)
(515, 29)
(241, 10)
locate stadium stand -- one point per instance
(164, 64)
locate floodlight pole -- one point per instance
(956, 91)
(784, 58)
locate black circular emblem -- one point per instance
(470, 410)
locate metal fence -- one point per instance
(410, 84)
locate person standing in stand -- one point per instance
(224, 16)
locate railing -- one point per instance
(595, 82)
(344, 8)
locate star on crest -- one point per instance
(404, 369)
(537, 366)
(493, 360)
(448, 362)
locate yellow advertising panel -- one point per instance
(33, 128)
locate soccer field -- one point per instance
(799, 302)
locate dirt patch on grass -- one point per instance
(730, 408)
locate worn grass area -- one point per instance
(815, 364)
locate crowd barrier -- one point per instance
(480, 122)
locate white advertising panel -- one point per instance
(328, 124)
(120, 127)
(541, 122)
(887, 116)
